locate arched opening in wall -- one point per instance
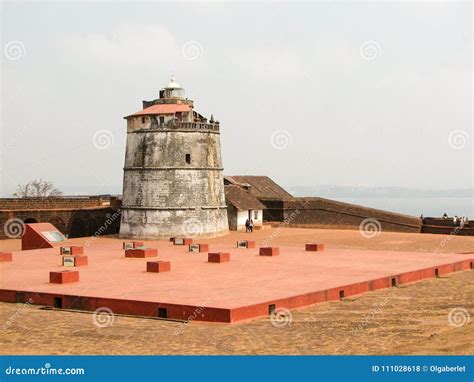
(58, 223)
(30, 221)
(94, 222)
(78, 228)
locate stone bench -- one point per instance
(313, 247)
(141, 253)
(63, 277)
(269, 251)
(218, 257)
(158, 266)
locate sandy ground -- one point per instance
(430, 317)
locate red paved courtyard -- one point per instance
(231, 291)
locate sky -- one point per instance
(314, 93)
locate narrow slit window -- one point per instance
(188, 158)
(19, 297)
(162, 313)
(143, 119)
(58, 302)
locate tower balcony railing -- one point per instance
(196, 126)
(179, 125)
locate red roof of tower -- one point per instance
(164, 108)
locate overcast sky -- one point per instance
(308, 94)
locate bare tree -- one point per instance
(37, 189)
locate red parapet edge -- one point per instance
(209, 314)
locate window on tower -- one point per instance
(143, 119)
(188, 158)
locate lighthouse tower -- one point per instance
(172, 183)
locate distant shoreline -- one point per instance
(428, 206)
(378, 192)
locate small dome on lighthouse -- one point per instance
(172, 90)
(172, 84)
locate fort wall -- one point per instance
(314, 212)
(75, 216)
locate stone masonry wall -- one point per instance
(163, 194)
(73, 216)
(57, 202)
(325, 213)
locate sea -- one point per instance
(429, 207)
